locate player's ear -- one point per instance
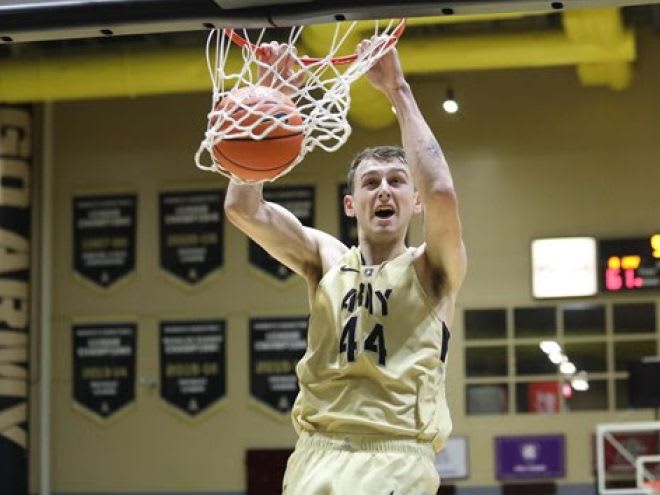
(348, 206)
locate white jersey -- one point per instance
(376, 355)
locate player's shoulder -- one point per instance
(419, 253)
(330, 253)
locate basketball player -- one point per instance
(371, 411)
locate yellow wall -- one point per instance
(533, 154)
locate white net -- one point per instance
(319, 88)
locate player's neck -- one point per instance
(377, 253)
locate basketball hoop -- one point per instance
(318, 86)
(305, 60)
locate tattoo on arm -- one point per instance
(433, 148)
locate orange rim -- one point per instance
(305, 60)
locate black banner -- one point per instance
(191, 233)
(299, 200)
(104, 366)
(192, 364)
(15, 214)
(276, 346)
(347, 225)
(104, 237)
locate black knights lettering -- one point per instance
(363, 297)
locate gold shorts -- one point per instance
(360, 465)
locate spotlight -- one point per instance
(580, 382)
(550, 347)
(556, 357)
(450, 105)
(567, 368)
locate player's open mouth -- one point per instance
(384, 211)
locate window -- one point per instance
(487, 399)
(627, 352)
(594, 399)
(634, 318)
(504, 362)
(486, 361)
(622, 400)
(535, 322)
(584, 319)
(531, 360)
(589, 356)
(485, 324)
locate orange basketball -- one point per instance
(274, 147)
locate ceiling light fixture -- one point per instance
(556, 357)
(567, 368)
(580, 381)
(450, 105)
(550, 347)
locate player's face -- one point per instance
(384, 198)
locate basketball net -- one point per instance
(320, 88)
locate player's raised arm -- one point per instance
(442, 226)
(306, 251)
(278, 231)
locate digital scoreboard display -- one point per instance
(629, 264)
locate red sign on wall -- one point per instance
(543, 397)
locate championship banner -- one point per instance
(300, 201)
(191, 233)
(276, 346)
(15, 213)
(193, 364)
(347, 225)
(104, 237)
(104, 367)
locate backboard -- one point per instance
(42, 20)
(628, 457)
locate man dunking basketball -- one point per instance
(371, 411)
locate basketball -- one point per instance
(272, 147)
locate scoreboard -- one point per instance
(586, 266)
(629, 264)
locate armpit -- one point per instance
(434, 280)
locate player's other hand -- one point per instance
(386, 73)
(277, 67)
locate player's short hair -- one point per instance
(382, 153)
